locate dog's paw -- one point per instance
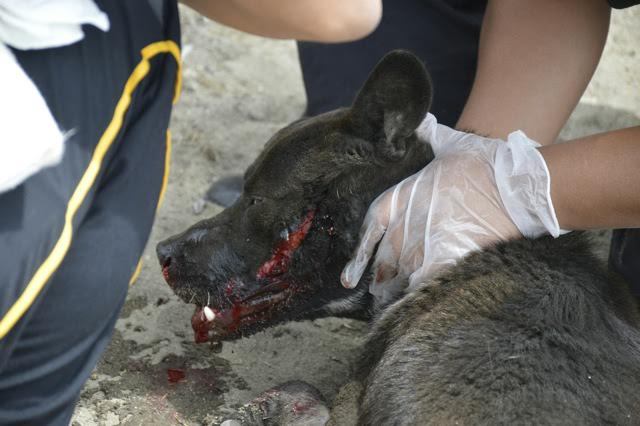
(292, 403)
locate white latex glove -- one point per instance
(477, 191)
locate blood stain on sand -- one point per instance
(175, 375)
(199, 380)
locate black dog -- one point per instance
(523, 332)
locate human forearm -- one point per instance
(535, 60)
(595, 181)
(313, 20)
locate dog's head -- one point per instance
(278, 252)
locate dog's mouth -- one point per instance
(211, 324)
(219, 323)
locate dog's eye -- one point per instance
(255, 200)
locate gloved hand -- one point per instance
(476, 191)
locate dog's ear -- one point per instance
(393, 101)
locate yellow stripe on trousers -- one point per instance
(60, 249)
(163, 189)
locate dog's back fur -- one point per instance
(526, 332)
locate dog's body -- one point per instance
(523, 332)
(528, 332)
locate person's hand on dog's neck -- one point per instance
(475, 192)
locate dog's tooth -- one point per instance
(209, 314)
(285, 234)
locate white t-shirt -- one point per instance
(30, 139)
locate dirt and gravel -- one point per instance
(238, 89)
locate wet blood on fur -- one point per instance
(228, 290)
(174, 375)
(165, 274)
(247, 310)
(279, 262)
(228, 319)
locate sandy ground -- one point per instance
(238, 90)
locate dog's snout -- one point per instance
(180, 246)
(187, 257)
(165, 252)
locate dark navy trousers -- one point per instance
(71, 236)
(443, 33)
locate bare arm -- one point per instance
(313, 20)
(535, 60)
(595, 181)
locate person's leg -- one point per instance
(624, 256)
(444, 34)
(74, 232)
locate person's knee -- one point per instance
(90, 298)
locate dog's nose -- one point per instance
(164, 251)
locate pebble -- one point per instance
(198, 206)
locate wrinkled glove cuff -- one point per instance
(524, 184)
